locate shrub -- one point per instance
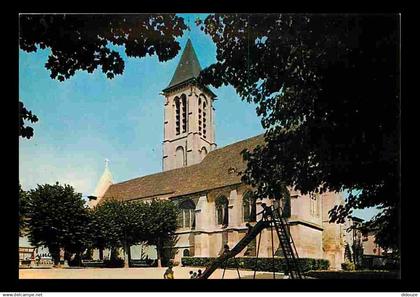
(263, 264)
(93, 263)
(348, 266)
(380, 263)
(114, 263)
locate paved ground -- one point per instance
(132, 273)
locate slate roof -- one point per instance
(214, 171)
(188, 66)
(188, 69)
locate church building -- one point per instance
(203, 179)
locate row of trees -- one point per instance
(57, 217)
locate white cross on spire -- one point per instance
(106, 163)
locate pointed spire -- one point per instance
(188, 66)
(103, 184)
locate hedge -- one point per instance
(114, 263)
(93, 263)
(354, 274)
(263, 264)
(348, 266)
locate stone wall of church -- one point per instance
(333, 238)
(210, 237)
(308, 241)
(313, 235)
(306, 208)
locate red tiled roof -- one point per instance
(213, 172)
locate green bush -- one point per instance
(114, 263)
(263, 264)
(348, 266)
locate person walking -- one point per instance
(226, 249)
(266, 212)
(169, 273)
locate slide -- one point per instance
(235, 250)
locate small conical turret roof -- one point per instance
(188, 66)
(103, 184)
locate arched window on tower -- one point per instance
(203, 153)
(177, 115)
(204, 119)
(249, 207)
(222, 214)
(202, 116)
(181, 117)
(179, 157)
(184, 116)
(186, 216)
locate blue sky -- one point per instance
(88, 118)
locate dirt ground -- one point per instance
(134, 273)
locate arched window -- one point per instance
(177, 115)
(181, 114)
(202, 118)
(222, 214)
(249, 207)
(186, 216)
(203, 152)
(184, 113)
(186, 253)
(179, 157)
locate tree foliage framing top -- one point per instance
(82, 42)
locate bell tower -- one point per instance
(188, 115)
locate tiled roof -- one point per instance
(214, 171)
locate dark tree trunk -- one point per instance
(129, 255)
(55, 254)
(78, 259)
(67, 256)
(159, 252)
(126, 260)
(101, 254)
(114, 254)
(67, 259)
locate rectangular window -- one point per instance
(187, 219)
(246, 213)
(192, 216)
(180, 219)
(220, 216)
(313, 205)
